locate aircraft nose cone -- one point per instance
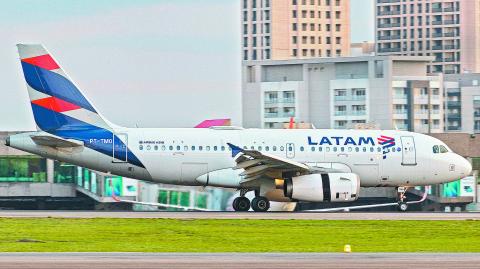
(464, 167)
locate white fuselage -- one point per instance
(202, 156)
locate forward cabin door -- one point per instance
(120, 148)
(409, 155)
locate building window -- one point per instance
(294, 26)
(294, 14)
(338, 40)
(337, 15)
(294, 52)
(294, 39)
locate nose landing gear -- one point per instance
(402, 206)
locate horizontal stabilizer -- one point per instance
(51, 141)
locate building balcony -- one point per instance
(440, 47)
(388, 12)
(389, 37)
(453, 103)
(387, 1)
(400, 111)
(437, 22)
(449, 60)
(437, 35)
(358, 97)
(402, 126)
(383, 50)
(447, 22)
(450, 72)
(358, 113)
(288, 100)
(450, 34)
(454, 128)
(451, 47)
(271, 101)
(437, 10)
(449, 9)
(399, 96)
(454, 116)
(388, 25)
(279, 115)
(340, 113)
(476, 114)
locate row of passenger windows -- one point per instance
(266, 148)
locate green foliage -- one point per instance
(172, 235)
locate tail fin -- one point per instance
(57, 104)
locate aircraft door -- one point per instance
(120, 148)
(290, 150)
(409, 156)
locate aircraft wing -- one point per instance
(257, 164)
(51, 141)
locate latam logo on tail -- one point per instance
(386, 142)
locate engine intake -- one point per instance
(334, 187)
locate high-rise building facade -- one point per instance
(449, 30)
(289, 29)
(391, 92)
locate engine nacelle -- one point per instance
(331, 187)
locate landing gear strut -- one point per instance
(402, 206)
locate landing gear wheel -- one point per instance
(402, 206)
(241, 204)
(260, 204)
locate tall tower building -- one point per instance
(449, 30)
(289, 29)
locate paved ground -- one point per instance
(233, 260)
(244, 215)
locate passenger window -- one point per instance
(342, 149)
(193, 148)
(379, 149)
(364, 149)
(170, 148)
(164, 148)
(252, 148)
(215, 148)
(281, 148)
(274, 148)
(302, 148)
(290, 148)
(327, 149)
(313, 148)
(320, 149)
(357, 149)
(185, 148)
(393, 149)
(334, 149)
(267, 148)
(140, 147)
(443, 149)
(178, 147)
(207, 148)
(372, 149)
(223, 148)
(435, 149)
(155, 147)
(350, 149)
(200, 148)
(259, 148)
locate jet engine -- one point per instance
(328, 187)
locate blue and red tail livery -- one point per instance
(58, 105)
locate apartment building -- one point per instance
(448, 30)
(462, 103)
(391, 92)
(290, 29)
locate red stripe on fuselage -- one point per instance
(43, 61)
(55, 104)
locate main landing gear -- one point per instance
(402, 205)
(258, 204)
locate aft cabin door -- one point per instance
(120, 149)
(409, 156)
(290, 150)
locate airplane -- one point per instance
(312, 165)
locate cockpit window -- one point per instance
(443, 149)
(435, 149)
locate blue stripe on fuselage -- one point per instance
(93, 137)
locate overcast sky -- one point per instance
(164, 63)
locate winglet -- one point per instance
(235, 149)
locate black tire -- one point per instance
(402, 206)
(241, 204)
(260, 204)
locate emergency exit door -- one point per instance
(120, 148)
(290, 150)
(409, 155)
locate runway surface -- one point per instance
(243, 215)
(233, 260)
